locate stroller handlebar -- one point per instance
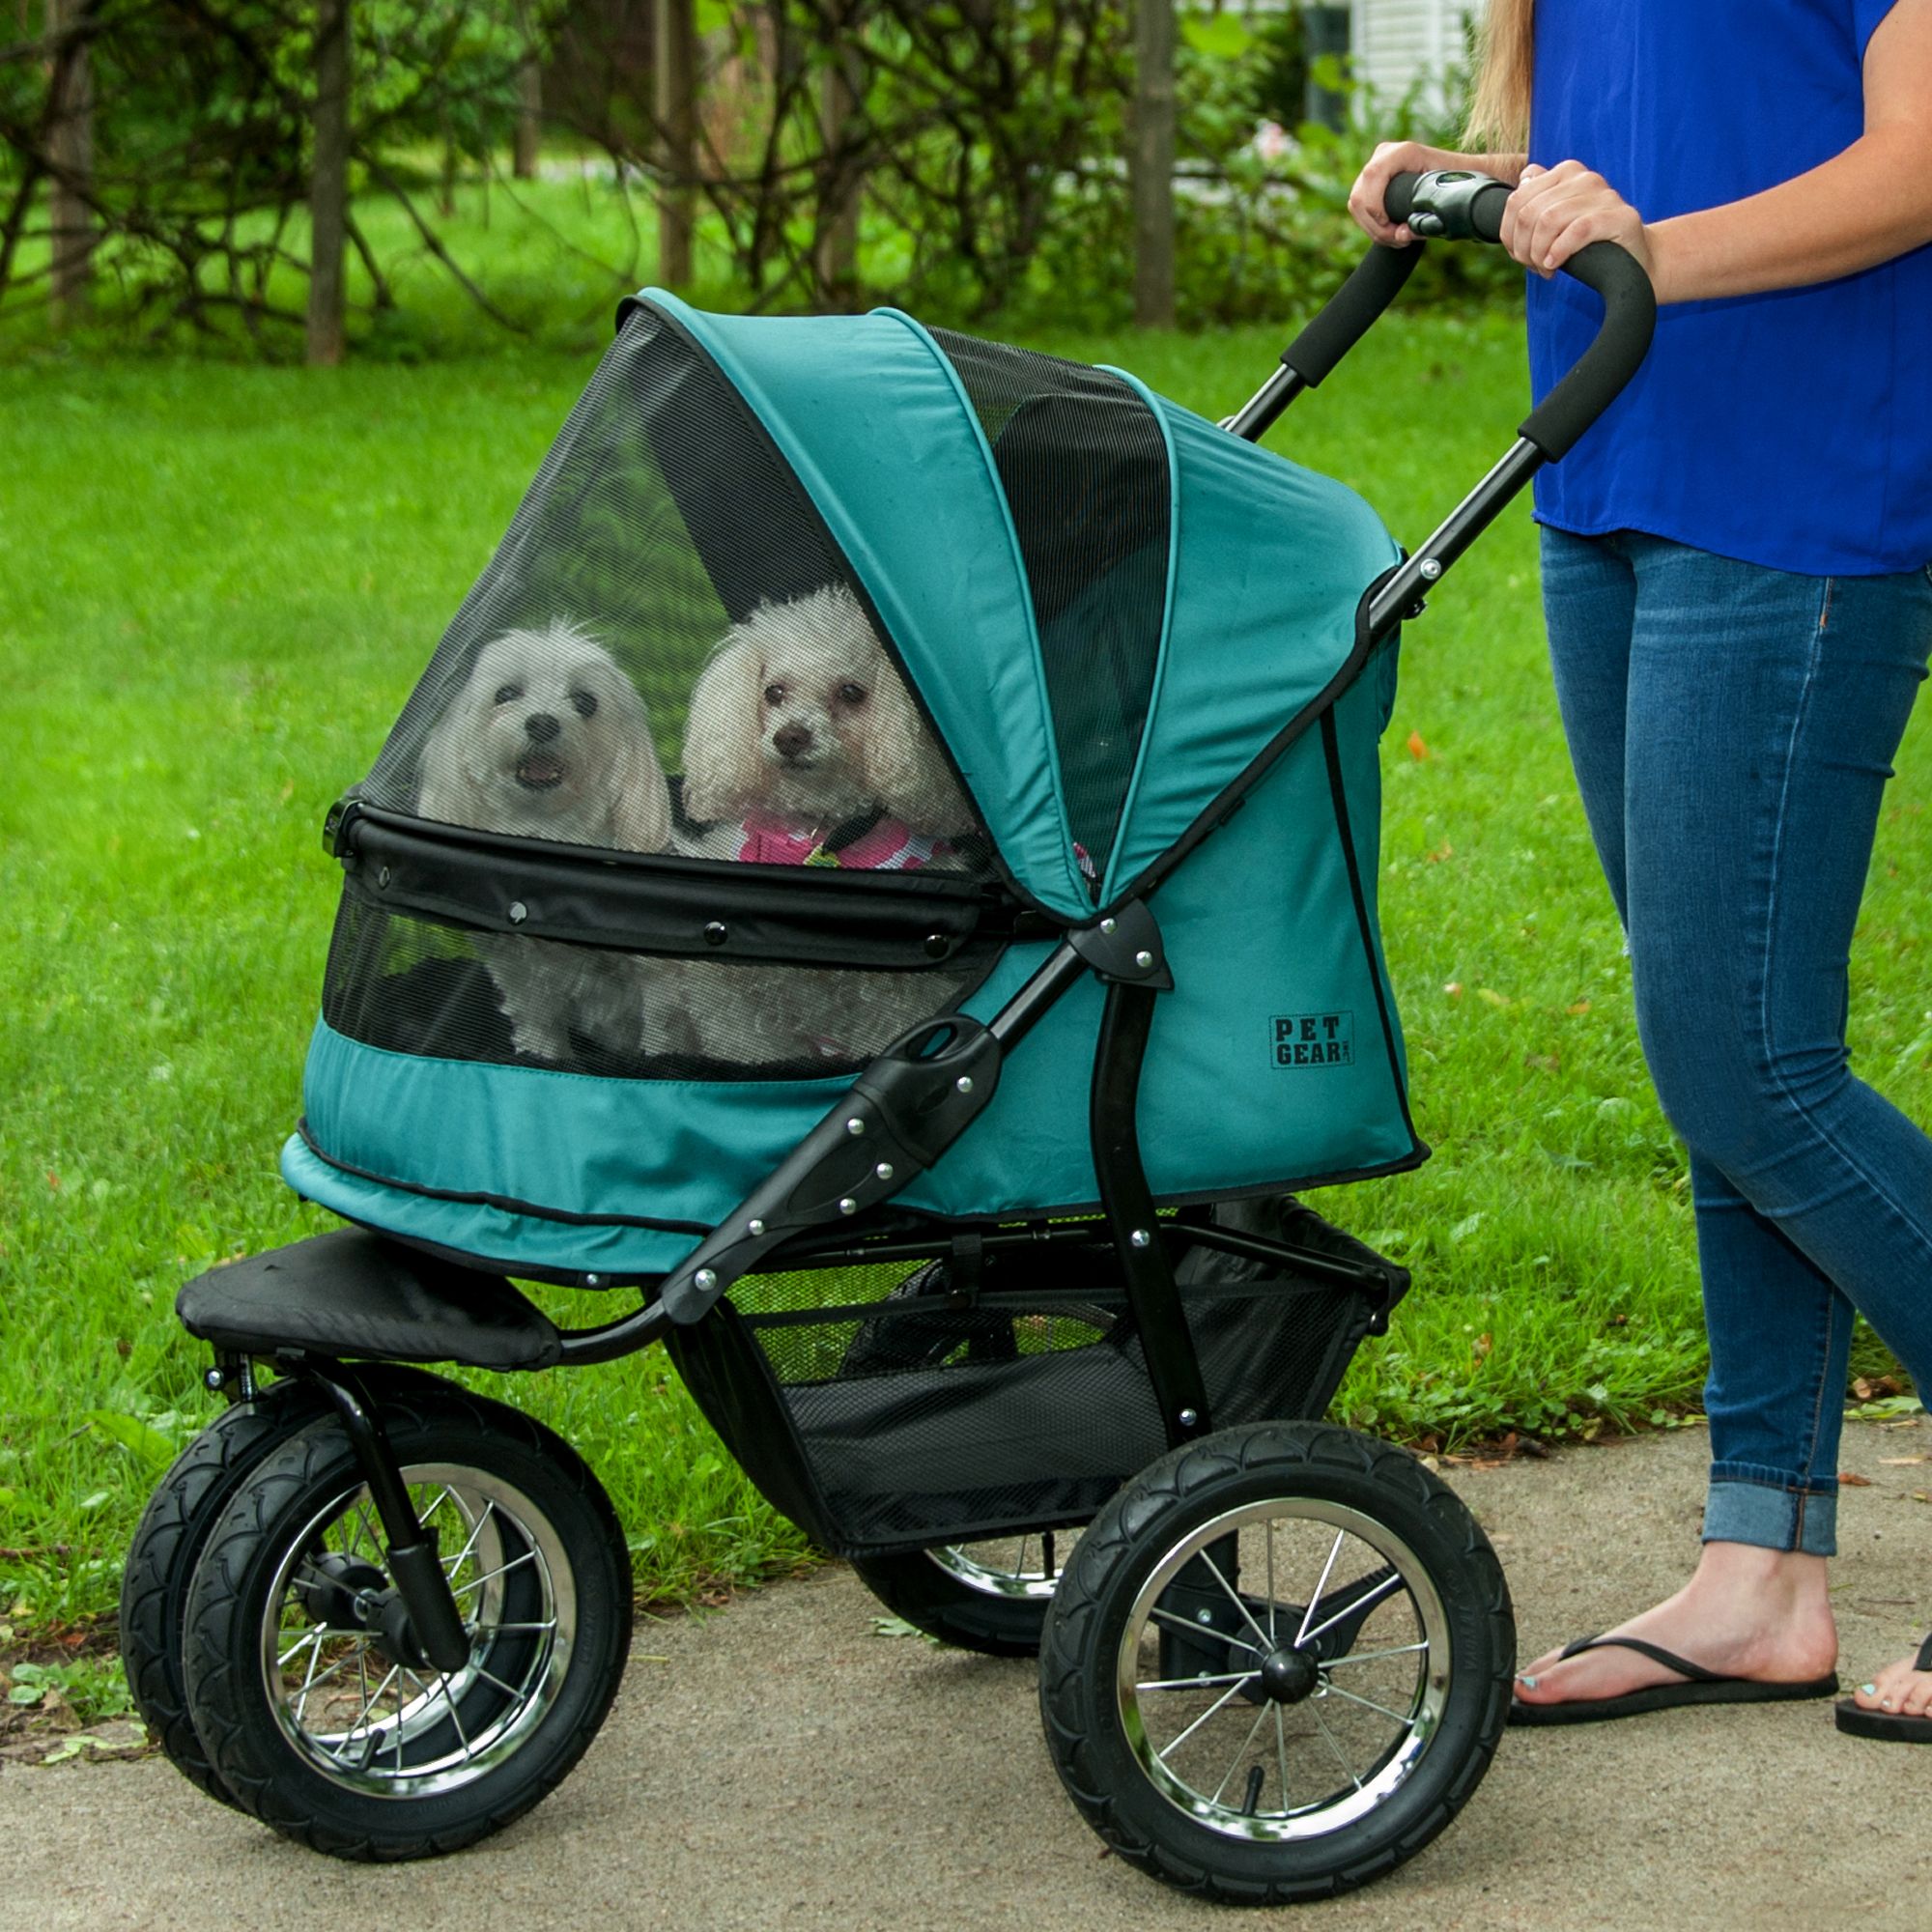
(1457, 204)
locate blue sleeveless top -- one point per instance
(1792, 429)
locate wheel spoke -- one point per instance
(313, 1634)
(1234, 1597)
(501, 1570)
(454, 1563)
(1361, 1604)
(1267, 1539)
(1328, 1737)
(1219, 1704)
(1321, 1583)
(1372, 1656)
(1247, 1745)
(1369, 1703)
(1281, 1756)
(1196, 1682)
(1200, 1631)
(490, 1676)
(302, 1700)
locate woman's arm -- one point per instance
(1397, 158)
(1862, 206)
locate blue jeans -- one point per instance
(1732, 728)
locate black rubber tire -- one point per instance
(187, 1502)
(913, 1586)
(228, 1600)
(1089, 1612)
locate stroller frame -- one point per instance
(323, 1310)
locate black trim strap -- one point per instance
(660, 904)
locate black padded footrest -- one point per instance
(350, 1292)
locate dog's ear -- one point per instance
(905, 768)
(444, 790)
(640, 799)
(722, 766)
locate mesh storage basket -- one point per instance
(887, 1412)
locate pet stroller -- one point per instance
(955, 1180)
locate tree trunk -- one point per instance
(837, 266)
(328, 183)
(70, 154)
(1152, 164)
(675, 55)
(530, 119)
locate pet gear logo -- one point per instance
(1314, 1039)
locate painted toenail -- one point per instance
(1868, 1689)
(1885, 1703)
(1527, 1683)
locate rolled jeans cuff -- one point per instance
(1773, 1514)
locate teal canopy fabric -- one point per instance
(1268, 561)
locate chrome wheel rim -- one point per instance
(373, 1722)
(1017, 1569)
(1340, 1732)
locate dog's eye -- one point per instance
(852, 694)
(583, 704)
(508, 694)
(775, 694)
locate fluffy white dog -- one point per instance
(801, 728)
(803, 745)
(547, 738)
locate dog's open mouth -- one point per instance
(538, 771)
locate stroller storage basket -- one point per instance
(922, 1416)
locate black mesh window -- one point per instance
(1084, 467)
(667, 654)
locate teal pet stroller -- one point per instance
(877, 884)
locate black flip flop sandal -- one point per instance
(1704, 1687)
(1890, 1727)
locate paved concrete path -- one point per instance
(782, 1766)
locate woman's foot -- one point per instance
(1899, 1690)
(1748, 1612)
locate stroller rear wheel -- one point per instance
(315, 1706)
(1278, 1664)
(989, 1596)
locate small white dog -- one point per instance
(547, 738)
(801, 728)
(803, 745)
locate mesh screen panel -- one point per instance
(667, 653)
(412, 986)
(921, 1421)
(1085, 472)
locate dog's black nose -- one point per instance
(542, 726)
(792, 739)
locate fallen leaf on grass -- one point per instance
(1850, 1479)
(1445, 850)
(1454, 988)
(1416, 747)
(1874, 1388)
(1581, 1007)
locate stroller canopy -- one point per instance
(1110, 605)
(1097, 624)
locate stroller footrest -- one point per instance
(350, 1292)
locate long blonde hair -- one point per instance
(1499, 112)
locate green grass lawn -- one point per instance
(217, 584)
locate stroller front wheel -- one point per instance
(1278, 1663)
(315, 1705)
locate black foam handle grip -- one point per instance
(1622, 340)
(1600, 373)
(1351, 312)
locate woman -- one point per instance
(1740, 611)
